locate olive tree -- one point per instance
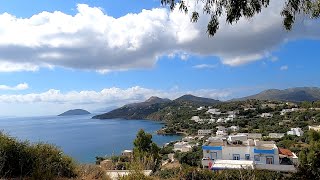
(234, 10)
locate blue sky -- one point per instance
(97, 54)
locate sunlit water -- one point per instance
(80, 136)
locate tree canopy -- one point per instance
(146, 151)
(234, 10)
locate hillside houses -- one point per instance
(214, 111)
(295, 132)
(266, 115)
(285, 111)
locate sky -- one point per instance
(57, 55)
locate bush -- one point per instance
(22, 159)
(190, 173)
(168, 173)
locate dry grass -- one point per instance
(172, 165)
(88, 172)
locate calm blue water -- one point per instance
(80, 136)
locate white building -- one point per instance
(233, 112)
(212, 120)
(225, 119)
(266, 115)
(250, 154)
(315, 128)
(215, 139)
(221, 133)
(284, 111)
(247, 109)
(220, 120)
(232, 116)
(197, 119)
(276, 135)
(188, 139)
(214, 111)
(234, 128)
(252, 135)
(204, 132)
(295, 132)
(200, 108)
(237, 138)
(182, 146)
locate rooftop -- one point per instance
(286, 152)
(216, 144)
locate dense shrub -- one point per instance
(168, 173)
(38, 161)
(191, 173)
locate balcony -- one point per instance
(273, 167)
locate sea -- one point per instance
(80, 136)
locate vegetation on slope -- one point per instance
(293, 94)
(149, 108)
(37, 161)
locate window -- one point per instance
(269, 160)
(236, 156)
(256, 157)
(215, 155)
(247, 156)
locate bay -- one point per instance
(81, 137)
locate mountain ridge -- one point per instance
(143, 110)
(297, 94)
(150, 108)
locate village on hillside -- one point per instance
(228, 136)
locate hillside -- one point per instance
(149, 109)
(75, 112)
(196, 100)
(136, 110)
(293, 94)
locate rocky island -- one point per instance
(74, 112)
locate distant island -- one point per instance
(75, 112)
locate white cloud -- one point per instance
(114, 96)
(21, 86)
(54, 101)
(284, 68)
(204, 66)
(93, 40)
(17, 67)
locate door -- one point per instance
(269, 160)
